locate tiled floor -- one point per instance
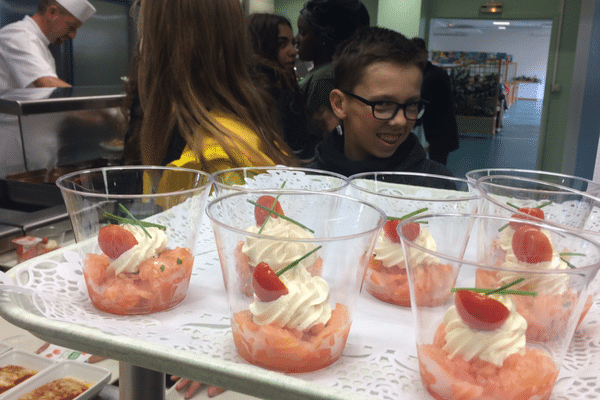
(514, 147)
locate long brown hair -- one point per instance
(195, 59)
(263, 32)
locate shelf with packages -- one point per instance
(476, 90)
(194, 339)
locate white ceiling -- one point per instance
(474, 27)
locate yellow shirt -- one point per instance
(216, 157)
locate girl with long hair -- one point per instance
(196, 90)
(272, 40)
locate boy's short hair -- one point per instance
(370, 45)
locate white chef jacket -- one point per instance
(24, 55)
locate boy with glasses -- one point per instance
(377, 97)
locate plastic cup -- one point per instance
(502, 346)
(305, 329)
(152, 272)
(570, 181)
(504, 195)
(399, 194)
(561, 205)
(277, 178)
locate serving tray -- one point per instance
(194, 338)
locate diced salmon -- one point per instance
(160, 284)
(391, 284)
(281, 349)
(525, 375)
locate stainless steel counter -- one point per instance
(48, 127)
(49, 100)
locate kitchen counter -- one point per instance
(49, 127)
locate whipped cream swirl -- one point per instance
(306, 304)
(146, 248)
(391, 254)
(492, 346)
(277, 252)
(505, 240)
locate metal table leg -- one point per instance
(137, 383)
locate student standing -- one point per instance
(377, 98)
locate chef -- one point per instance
(25, 59)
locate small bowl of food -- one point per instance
(136, 231)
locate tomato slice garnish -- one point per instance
(260, 214)
(530, 245)
(534, 212)
(479, 311)
(409, 231)
(390, 230)
(115, 240)
(267, 285)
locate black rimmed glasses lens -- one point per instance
(386, 110)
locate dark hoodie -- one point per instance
(409, 157)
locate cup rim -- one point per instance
(244, 232)
(278, 168)
(554, 228)
(470, 195)
(469, 174)
(561, 188)
(60, 181)
(486, 196)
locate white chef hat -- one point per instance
(81, 9)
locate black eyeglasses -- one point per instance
(386, 110)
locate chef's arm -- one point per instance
(49, 81)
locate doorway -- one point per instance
(524, 46)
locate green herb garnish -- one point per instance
(503, 227)
(179, 261)
(501, 290)
(162, 268)
(411, 214)
(272, 210)
(294, 263)
(569, 255)
(133, 221)
(281, 216)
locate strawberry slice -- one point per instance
(115, 240)
(479, 311)
(260, 214)
(534, 212)
(267, 285)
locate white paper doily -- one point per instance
(379, 360)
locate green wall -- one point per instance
(411, 17)
(401, 16)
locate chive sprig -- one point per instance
(503, 290)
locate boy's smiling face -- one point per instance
(364, 135)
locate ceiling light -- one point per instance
(501, 27)
(501, 23)
(492, 8)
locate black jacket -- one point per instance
(410, 157)
(439, 120)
